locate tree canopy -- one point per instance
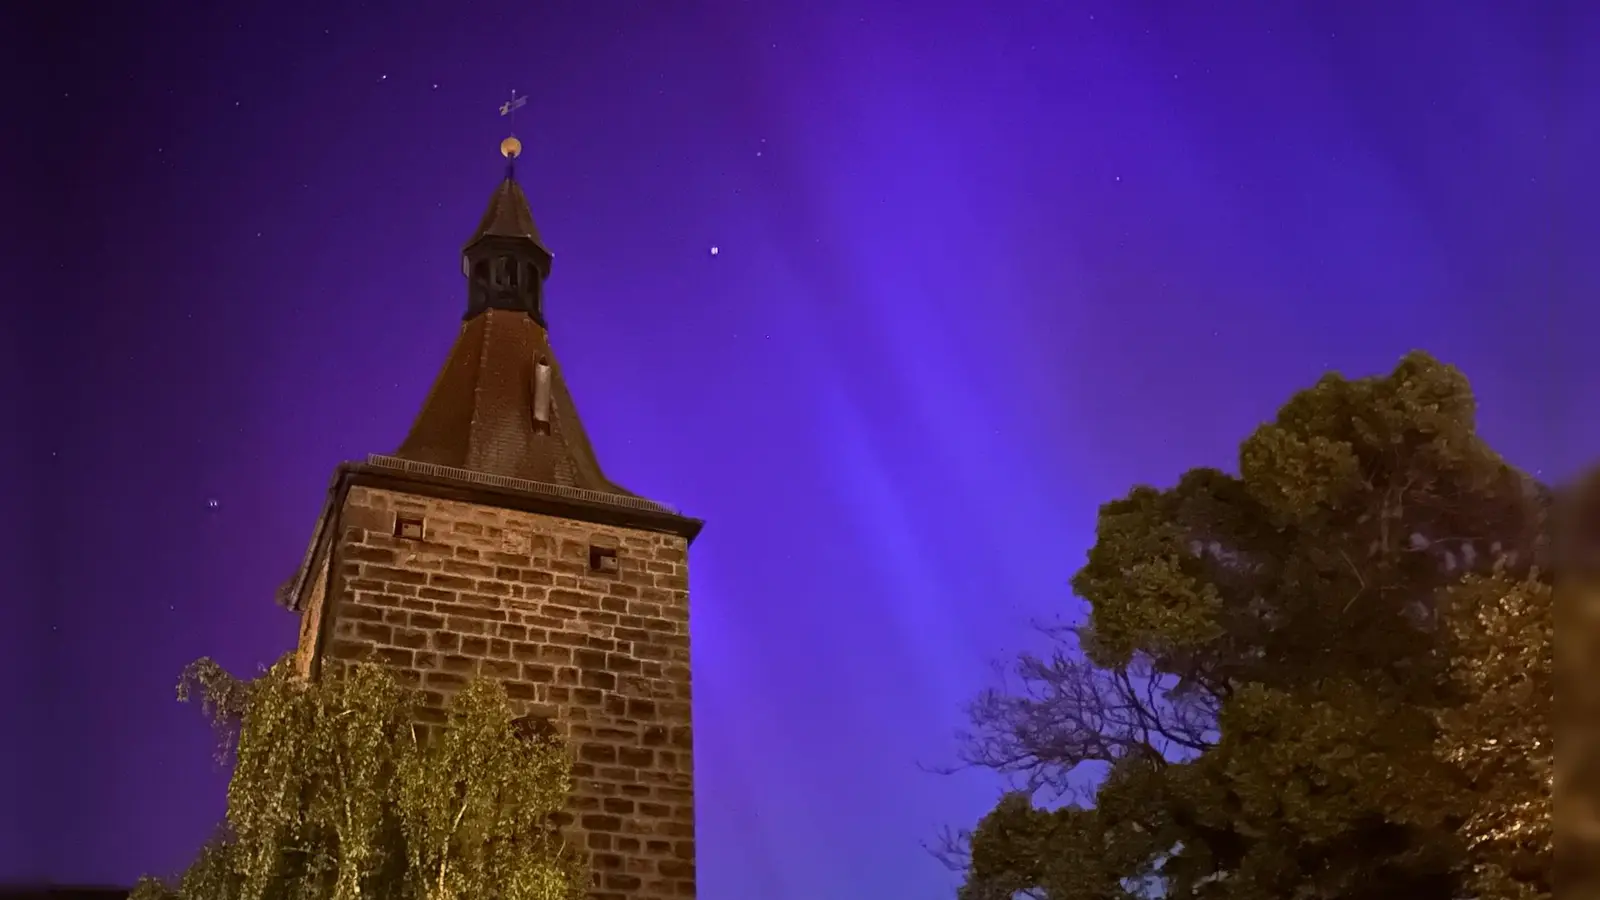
(1500, 736)
(1313, 677)
(1576, 777)
(336, 795)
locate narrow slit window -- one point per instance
(541, 395)
(602, 559)
(408, 527)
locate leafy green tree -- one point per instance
(1501, 734)
(337, 795)
(1255, 693)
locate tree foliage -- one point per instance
(1576, 777)
(1500, 735)
(337, 795)
(1262, 681)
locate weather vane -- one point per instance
(510, 107)
(511, 147)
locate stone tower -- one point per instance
(492, 544)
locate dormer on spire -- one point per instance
(505, 261)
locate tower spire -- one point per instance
(505, 260)
(500, 406)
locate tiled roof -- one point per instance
(508, 215)
(480, 414)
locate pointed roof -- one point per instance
(508, 214)
(479, 415)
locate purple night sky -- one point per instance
(979, 266)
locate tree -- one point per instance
(1500, 735)
(337, 795)
(1259, 681)
(1576, 777)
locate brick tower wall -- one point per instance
(601, 650)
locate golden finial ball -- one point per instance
(510, 148)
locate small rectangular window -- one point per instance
(602, 559)
(408, 527)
